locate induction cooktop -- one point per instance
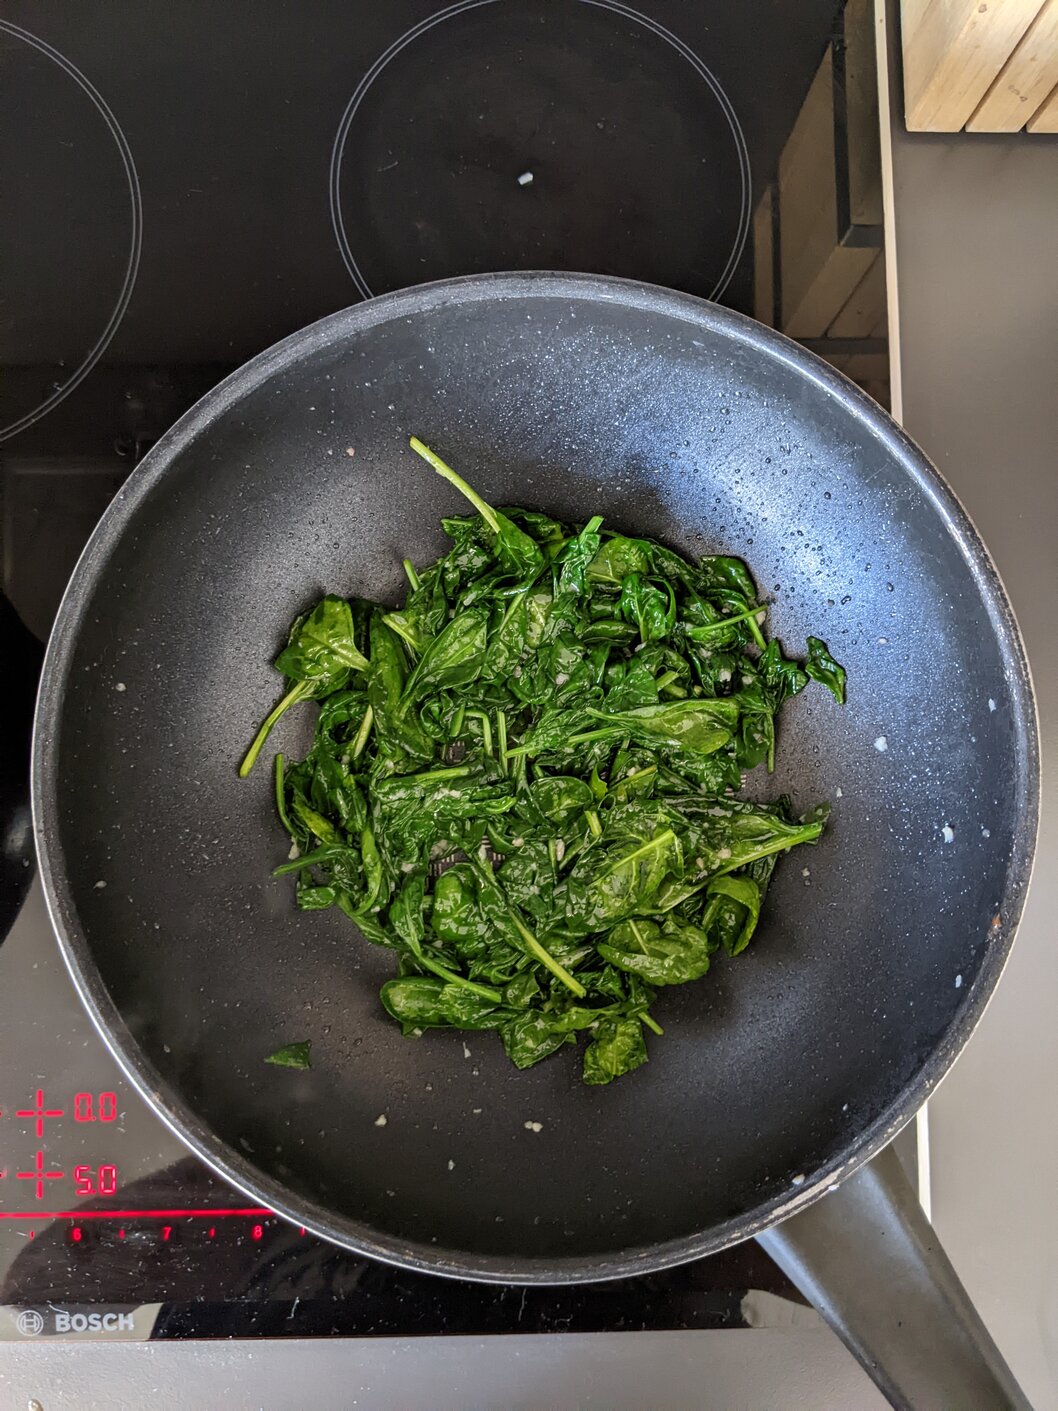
(184, 185)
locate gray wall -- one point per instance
(977, 278)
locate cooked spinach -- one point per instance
(524, 780)
(292, 1055)
(822, 667)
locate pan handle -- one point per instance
(871, 1263)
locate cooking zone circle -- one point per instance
(55, 306)
(536, 136)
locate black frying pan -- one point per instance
(779, 1074)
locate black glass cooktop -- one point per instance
(183, 185)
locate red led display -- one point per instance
(89, 1179)
(40, 1175)
(40, 1112)
(207, 1212)
(87, 1107)
(96, 1180)
(45, 1181)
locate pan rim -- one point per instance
(174, 1112)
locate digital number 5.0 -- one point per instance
(96, 1180)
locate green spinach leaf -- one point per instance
(668, 954)
(617, 1048)
(822, 667)
(294, 1055)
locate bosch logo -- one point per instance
(93, 1322)
(29, 1323)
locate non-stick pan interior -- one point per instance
(673, 419)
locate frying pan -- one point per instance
(777, 1077)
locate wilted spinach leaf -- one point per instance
(731, 912)
(611, 883)
(822, 667)
(292, 1055)
(576, 557)
(668, 954)
(651, 608)
(322, 646)
(453, 658)
(319, 657)
(533, 1036)
(617, 1048)
(700, 725)
(415, 1002)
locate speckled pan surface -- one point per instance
(778, 1072)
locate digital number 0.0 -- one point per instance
(95, 1107)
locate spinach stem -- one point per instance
(697, 634)
(584, 738)
(593, 822)
(808, 835)
(572, 851)
(486, 511)
(413, 577)
(363, 733)
(281, 797)
(443, 973)
(393, 622)
(545, 958)
(497, 840)
(501, 738)
(639, 938)
(636, 776)
(758, 635)
(300, 691)
(652, 1024)
(315, 822)
(486, 729)
(587, 737)
(324, 853)
(457, 721)
(428, 776)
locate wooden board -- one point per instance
(953, 51)
(818, 275)
(864, 310)
(861, 114)
(764, 261)
(1027, 78)
(1045, 118)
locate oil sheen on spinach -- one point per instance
(525, 780)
